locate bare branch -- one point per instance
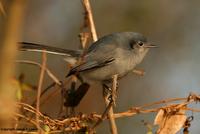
(88, 10)
(42, 72)
(51, 75)
(113, 125)
(78, 122)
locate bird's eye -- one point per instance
(140, 43)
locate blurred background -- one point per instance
(172, 70)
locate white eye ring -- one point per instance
(140, 43)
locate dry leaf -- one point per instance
(159, 117)
(169, 122)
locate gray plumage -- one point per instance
(117, 53)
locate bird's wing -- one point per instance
(99, 54)
(90, 65)
(27, 46)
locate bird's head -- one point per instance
(138, 43)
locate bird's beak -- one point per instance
(150, 46)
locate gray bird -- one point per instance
(117, 53)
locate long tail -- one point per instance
(27, 46)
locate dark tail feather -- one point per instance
(27, 46)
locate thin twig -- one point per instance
(139, 72)
(42, 72)
(84, 39)
(109, 108)
(103, 116)
(114, 88)
(24, 117)
(80, 120)
(113, 125)
(51, 75)
(28, 108)
(88, 10)
(51, 94)
(163, 102)
(140, 109)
